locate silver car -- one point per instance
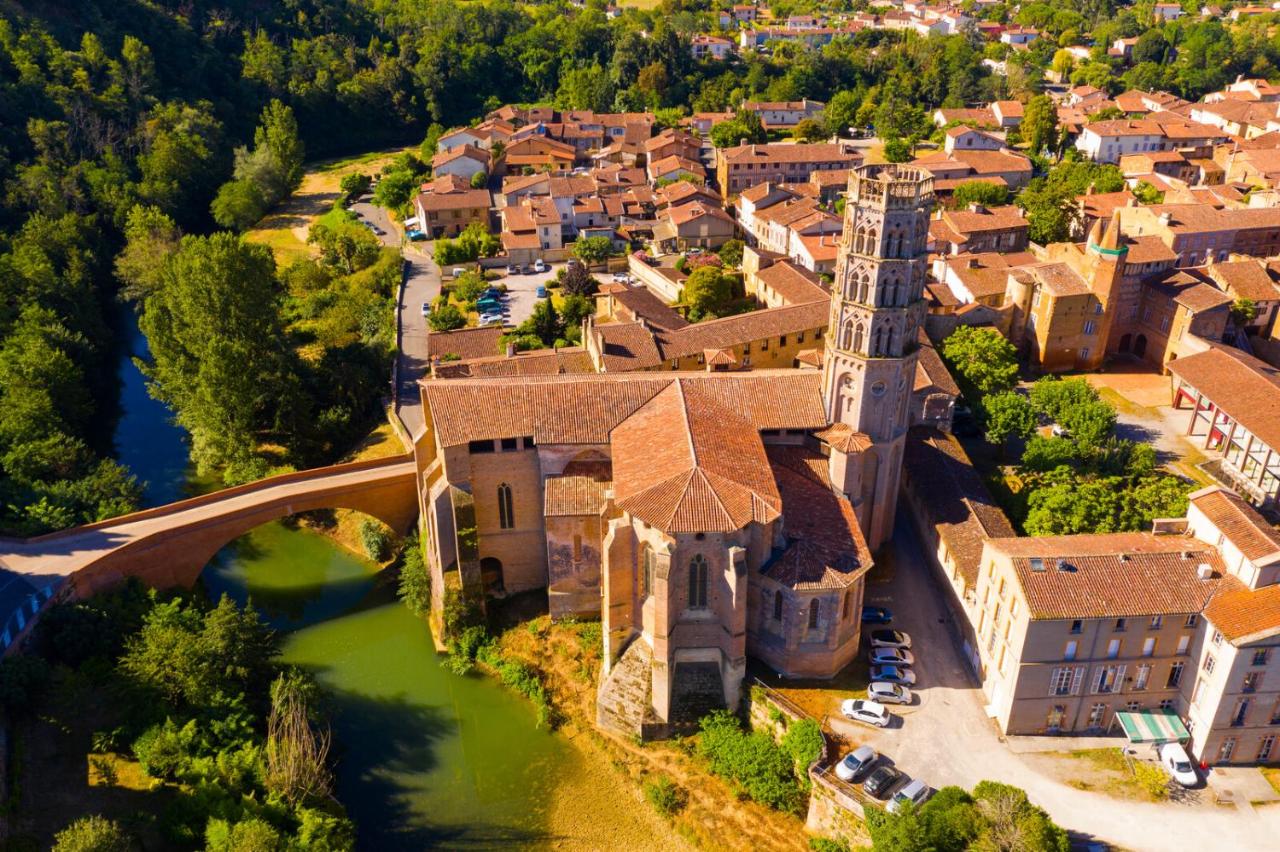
(855, 763)
(914, 792)
(890, 657)
(888, 693)
(887, 638)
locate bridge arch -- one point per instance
(170, 545)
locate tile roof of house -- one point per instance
(825, 549)
(743, 328)
(816, 152)
(571, 186)
(1245, 615)
(642, 303)
(1245, 279)
(843, 437)
(1243, 387)
(760, 191)
(821, 247)
(516, 183)
(573, 496)
(1148, 249)
(930, 369)
(536, 362)
(1113, 575)
(957, 501)
(469, 199)
(1059, 278)
(685, 462)
(1257, 539)
(984, 219)
(676, 163)
(688, 212)
(464, 342)
(674, 194)
(626, 346)
(457, 153)
(795, 284)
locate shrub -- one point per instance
(252, 835)
(165, 750)
(828, 844)
(665, 796)
(92, 834)
(1151, 778)
(753, 761)
(375, 538)
(415, 581)
(446, 317)
(805, 743)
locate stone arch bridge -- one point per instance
(170, 545)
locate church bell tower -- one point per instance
(877, 307)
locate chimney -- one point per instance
(971, 263)
(1166, 218)
(511, 349)
(1204, 571)
(975, 207)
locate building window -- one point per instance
(577, 548)
(777, 606)
(1252, 681)
(1077, 626)
(1275, 714)
(698, 582)
(1264, 748)
(1241, 713)
(1133, 706)
(1209, 663)
(1192, 620)
(1109, 679)
(1183, 642)
(1084, 353)
(848, 606)
(1156, 622)
(506, 516)
(1113, 649)
(1149, 646)
(1142, 678)
(1061, 682)
(1167, 704)
(1217, 638)
(647, 560)
(1097, 713)
(477, 447)
(1120, 625)
(1070, 652)
(1260, 657)
(813, 613)
(1199, 688)
(1228, 748)
(1175, 676)
(1089, 327)
(509, 444)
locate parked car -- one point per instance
(889, 693)
(914, 792)
(621, 278)
(426, 308)
(513, 269)
(415, 235)
(541, 292)
(491, 319)
(694, 250)
(527, 269)
(893, 674)
(458, 272)
(867, 712)
(540, 266)
(876, 615)
(855, 763)
(1173, 757)
(881, 781)
(890, 639)
(890, 657)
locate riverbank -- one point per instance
(567, 656)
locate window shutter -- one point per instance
(1077, 680)
(1119, 680)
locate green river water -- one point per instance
(425, 758)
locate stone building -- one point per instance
(703, 515)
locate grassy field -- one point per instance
(285, 228)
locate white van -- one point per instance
(458, 272)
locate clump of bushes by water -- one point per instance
(415, 580)
(195, 693)
(665, 795)
(763, 769)
(376, 539)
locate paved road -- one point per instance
(422, 284)
(946, 737)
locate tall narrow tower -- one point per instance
(877, 306)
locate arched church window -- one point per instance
(846, 334)
(777, 606)
(862, 287)
(813, 613)
(859, 333)
(847, 606)
(877, 342)
(698, 582)
(647, 560)
(506, 514)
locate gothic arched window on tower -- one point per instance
(860, 241)
(877, 342)
(846, 335)
(506, 514)
(698, 582)
(862, 287)
(858, 334)
(777, 606)
(646, 569)
(813, 613)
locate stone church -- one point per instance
(701, 516)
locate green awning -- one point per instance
(1152, 726)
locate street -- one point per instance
(946, 738)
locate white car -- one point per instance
(855, 763)
(888, 693)
(887, 638)
(867, 712)
(1175, 761)
(621, 278)
(914, 792)
(426, 308)
(491, 319)
(890, 657)
(539, 266)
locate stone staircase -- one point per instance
(624, 701)
(696, 690)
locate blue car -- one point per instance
(541, 292)
(876, 615)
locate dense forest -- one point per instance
(131, 130)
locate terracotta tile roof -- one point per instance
(743, 328)
(457, 153)
(825, 547)
(1111, 575)
(582, 409)
(1245, 615)
(626, 346)
(842, 437)
(985, 219)
(538, 362)
(719, 358)
(821, 247)
(1239, 522)
(643, 304)
(692, 210)
(684, 462)
(1059, 278)
(465, 342)
(817, 152)
(1245, 279)
(572, 186)
(954, 496)
(677, 193)
(515, 183)
(760, 191)
(935, 372)
(1148, 249)
(675, 163)
(795, 284)
(573, 495)
(469, 199)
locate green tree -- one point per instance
(1147, 194)
(1013, 822)
(150, 238)
(278, 133)
(576, 280)
(897, 149)
(708, 293)
(1244, 312)
(395, 189)
(842, 112)
(810, 130)
(980, 192)
(239, 205)
(1040, 125)
(731, 253)
(343, 242)
(250, 835)
(415, 581)
(592, 250)
(217, 347)
(355, 185)
(446, 317)
(983, 358)
(92, 834)
(479, 180)
(1006, 415)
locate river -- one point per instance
(425, 758)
